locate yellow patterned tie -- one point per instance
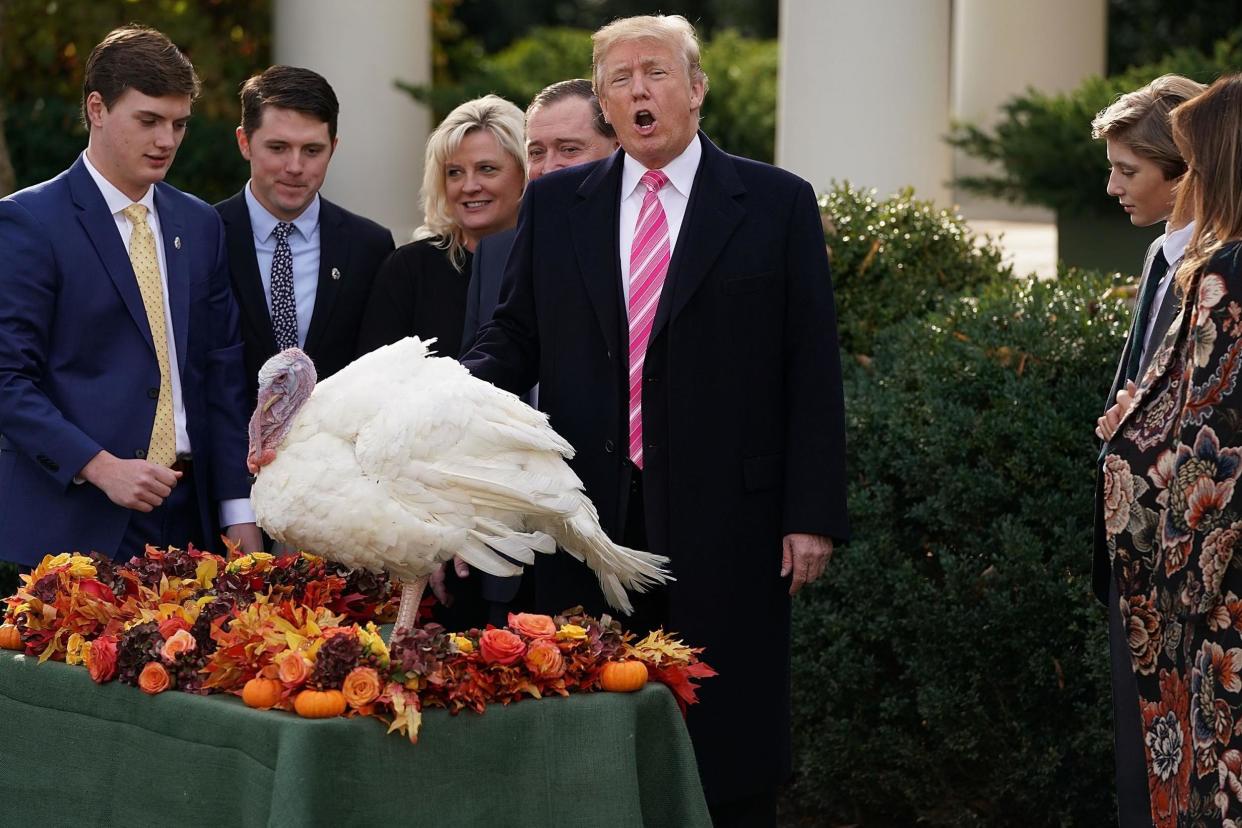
(146, 264)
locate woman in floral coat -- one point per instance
(1172, 518)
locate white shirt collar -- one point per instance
(1175, 242)
(263, 223)
(114, 198)
(680, 170)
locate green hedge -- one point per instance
(1042, 143)
(898, 258)
(952, 668)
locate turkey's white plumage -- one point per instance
(403, 460)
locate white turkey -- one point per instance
(403, 460)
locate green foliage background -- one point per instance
(1042, 143)
(739, 113)
(43, 51)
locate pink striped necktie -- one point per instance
(649, 258)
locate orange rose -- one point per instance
(181, 642)
(153, 679)
(361, 686)
(532, 626)
(292, 668)
(501, 646)
(101, 658)
(544, 660)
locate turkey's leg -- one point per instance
(411, 597)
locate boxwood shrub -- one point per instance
(951, 668)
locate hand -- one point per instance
(806, 556)
(134, 484)
(1106, 426)
(247, 537)
(436, 580)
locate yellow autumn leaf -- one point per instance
(205, 573)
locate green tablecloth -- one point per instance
(77, 753)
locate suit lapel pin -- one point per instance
(177, 242)
(336, 274)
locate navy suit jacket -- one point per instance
(487, 272)
(78, 372)
(351, 250)
(743, 418)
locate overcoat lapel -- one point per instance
(176, 256)
(100, 226)
(239, 236)
(712, 215)
(333, 259)
(593, 227)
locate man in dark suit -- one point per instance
(302, 267)
(121, 380)
(564, 127)
(1145, 168)
(675, 306)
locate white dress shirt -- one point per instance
(232, 512)
(1174, 246)
(304, 247)
(674, 197)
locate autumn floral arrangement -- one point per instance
(299, 633)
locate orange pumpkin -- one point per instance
(10, 638)
(319, 704)
(262, 693)
(624, 676)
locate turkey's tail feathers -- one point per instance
(618, 568)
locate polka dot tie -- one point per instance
(284, 305)
(142, 255)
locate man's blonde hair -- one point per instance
(1140, 120)
(672, 29)
(490, 112)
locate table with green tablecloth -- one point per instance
(77, 753)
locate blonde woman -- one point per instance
(473, 179)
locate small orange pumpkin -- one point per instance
(262, 693)
(10, 638)
(624, 676)
(319, 704)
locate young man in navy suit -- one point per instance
(674, 305)
(302, 267)
(122, 420)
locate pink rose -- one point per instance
(181, 642)
(101, 658)
(501, 646)
(532, 626)
(292, 668)
(544, 660)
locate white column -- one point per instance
(1003, 47)
(361, 47)
(864, 94)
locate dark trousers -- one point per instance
(651, 612)
(1133, 797)
(175, 522)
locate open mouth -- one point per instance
(475, 205)
(644, 122)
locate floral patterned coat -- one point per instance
(1172, 523)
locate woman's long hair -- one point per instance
(490, 112)
(1208, 131)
